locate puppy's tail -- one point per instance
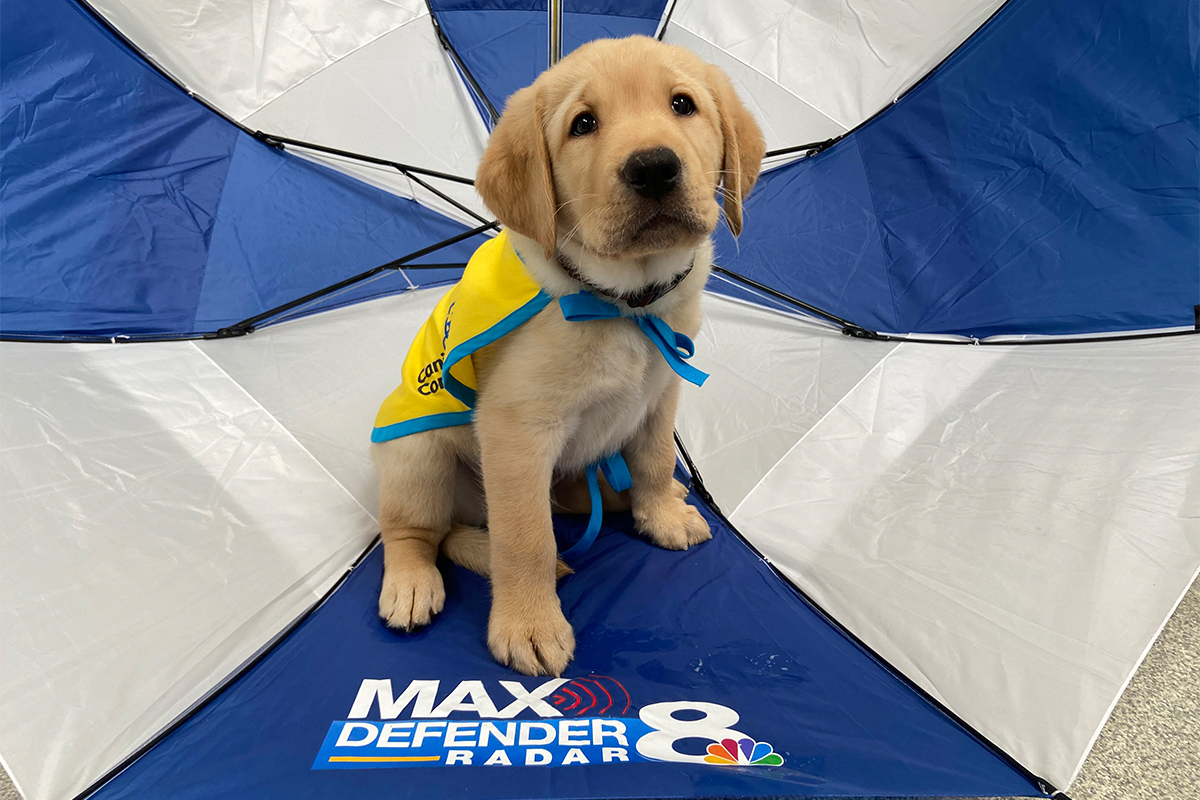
(470, 547)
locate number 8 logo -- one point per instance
(659, 744)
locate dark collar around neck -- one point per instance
(640, 299)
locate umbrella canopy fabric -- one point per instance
(938, 565)
(131, 211)
(712, 648)
(504, 44)
(1040, 182)
(345, 75)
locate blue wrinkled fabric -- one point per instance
(710, 624)
(1044, 180)
(132, 210)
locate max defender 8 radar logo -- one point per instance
(557, 723)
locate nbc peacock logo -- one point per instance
(743, 752)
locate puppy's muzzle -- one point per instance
(654, 173)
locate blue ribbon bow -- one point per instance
(675, 348)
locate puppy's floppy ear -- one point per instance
(514, 177)
(744, 147)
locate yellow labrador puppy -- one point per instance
(605, 172)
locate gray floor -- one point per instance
(1151, 745)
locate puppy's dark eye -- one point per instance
(683, 105)
(583, 124)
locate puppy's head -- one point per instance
(620, 149)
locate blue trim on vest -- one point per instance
(426, 423)
(516, 319)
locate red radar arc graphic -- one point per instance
(595, 695)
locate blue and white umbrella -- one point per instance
(948, 449)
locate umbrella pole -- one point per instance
(554, 30)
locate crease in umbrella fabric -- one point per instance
(130, 210)
(1041, 181)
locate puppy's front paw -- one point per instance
(411, 595)
(671, 523)
(535, 640)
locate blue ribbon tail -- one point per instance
(616, 472)
(594, 520)
(675, 347)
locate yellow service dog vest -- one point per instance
(494, 297)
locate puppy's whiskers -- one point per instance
(570, 235)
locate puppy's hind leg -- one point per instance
(416, 500)
(470, 547)
(467, 544)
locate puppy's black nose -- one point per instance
(652, 173)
